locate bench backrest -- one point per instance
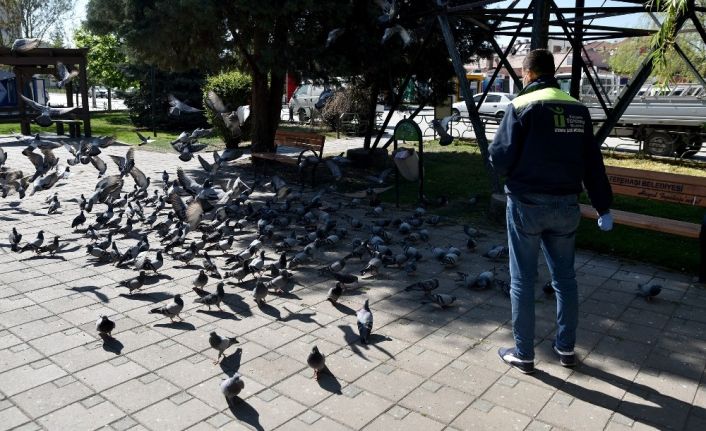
(662, 186)
(304, 140)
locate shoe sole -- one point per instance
(517, 367)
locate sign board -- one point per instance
(682, 189)
(407, 130)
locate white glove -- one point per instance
(605, 222)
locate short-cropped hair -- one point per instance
(540, 62)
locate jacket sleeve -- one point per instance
(506, 148)
(594, 178)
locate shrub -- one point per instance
(352, 99)
(234, 89)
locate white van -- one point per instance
(303, 100)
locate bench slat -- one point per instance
(660, 224)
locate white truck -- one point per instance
(667, 121)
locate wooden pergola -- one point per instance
(43, 61)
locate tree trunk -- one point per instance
(267, 89)
(110, 105)
(374, 92)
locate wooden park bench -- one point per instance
(660, 186)
(74, 127)
(304, 145)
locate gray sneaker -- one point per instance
(509, 356)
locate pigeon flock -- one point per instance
(257, 236)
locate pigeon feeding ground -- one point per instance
(429, 362)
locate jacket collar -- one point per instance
(543, 81)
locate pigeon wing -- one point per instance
(194, 212)
(139, 177)
(178, 205)
(31, 103)
(214, 102)
(99, 164)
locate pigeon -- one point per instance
(232, 386)
(259, 292)
(177, 107)
(443, 299)
(333, 35)
(346, 280)
(25, 44)
(648, 291)
(210, 299)
(54, 206)
(441, 127)
(425, 286)
(172, 309)
(365, 322)
(136, 283)
(104, 326)
(46, 112)
(334, 293)
(34, 245)
(200, 280)
(144, 140)
(316, 361)
(64, 75)
(397, 30)
(78, 220)
(221, 344)
(14, 239)
(496, 252)
(379, 179)
(389, 8)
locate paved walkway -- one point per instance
(427, 369)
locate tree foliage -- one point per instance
(106, 59)
(270, 38)
(666, 35)
(32, 18)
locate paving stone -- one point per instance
(354, 412)
(579, 415)
(76, 416)
(323, 424)
(521, 397)
(11, 418)
(22, 378)
(498, 418)
(167, 415)
(303, 388)
(106, 375)
(443, 405)
(268, 415)
(412, 421)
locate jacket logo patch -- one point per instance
(559, 118)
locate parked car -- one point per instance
(494, 104)
(101, 92)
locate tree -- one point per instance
(32, 18)
(668, 65)
(666, 35)
(106, 61)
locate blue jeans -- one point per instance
(549, 222)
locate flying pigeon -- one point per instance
(177, 107)
(64, 75)
(46, 112)
(441, 127)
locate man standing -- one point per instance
(545, 147)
